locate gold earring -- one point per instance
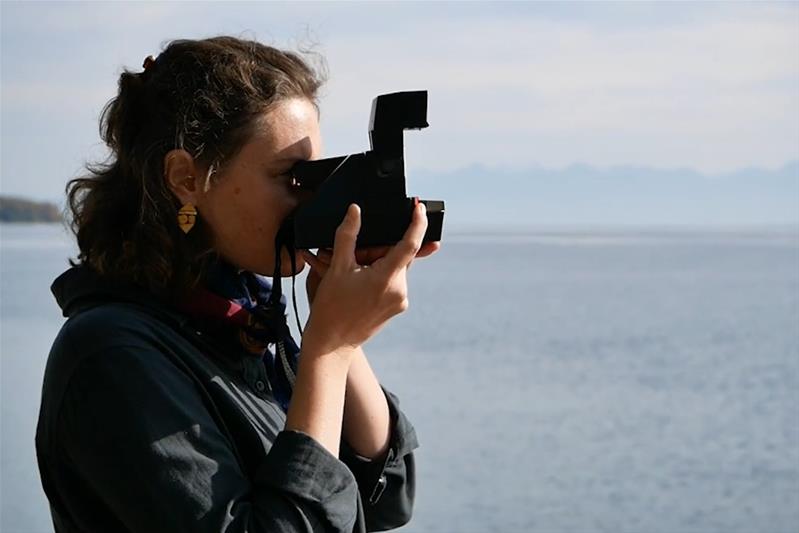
(187, 216)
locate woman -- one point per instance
(164, 407)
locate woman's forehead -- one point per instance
(289, 130)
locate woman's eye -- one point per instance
(288, 177)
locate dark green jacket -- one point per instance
(148, 425)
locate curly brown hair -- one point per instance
(202, 96)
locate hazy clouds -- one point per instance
(711, 86)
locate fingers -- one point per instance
(346, 237)
(405, 250)
(367, 256)
(428, 248)
(347, 234)
(316, 263)
(326, 255)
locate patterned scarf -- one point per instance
(237, 304)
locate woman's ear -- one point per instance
(180, 173)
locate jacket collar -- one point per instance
(81, 288)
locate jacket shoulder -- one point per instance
(103, 330)
(111, 324)
(100, 331)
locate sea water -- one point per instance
(559, 382)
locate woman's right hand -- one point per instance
(352, 302)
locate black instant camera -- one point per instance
(375, 180)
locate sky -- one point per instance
(712, 87)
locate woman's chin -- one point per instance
(268, 270)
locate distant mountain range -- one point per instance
(585, 196)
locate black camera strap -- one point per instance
(285, 239)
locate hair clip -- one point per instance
(149, 61)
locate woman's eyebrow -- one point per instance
(281, 164)
(288, 159)
(298, 151)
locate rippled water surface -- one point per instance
(560, 382)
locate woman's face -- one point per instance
(246, 205)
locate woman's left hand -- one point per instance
(363, 256)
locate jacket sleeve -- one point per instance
(136, 431)
(387, 486)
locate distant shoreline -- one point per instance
(15, 210)
(31, 223)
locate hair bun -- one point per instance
(149, 61)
